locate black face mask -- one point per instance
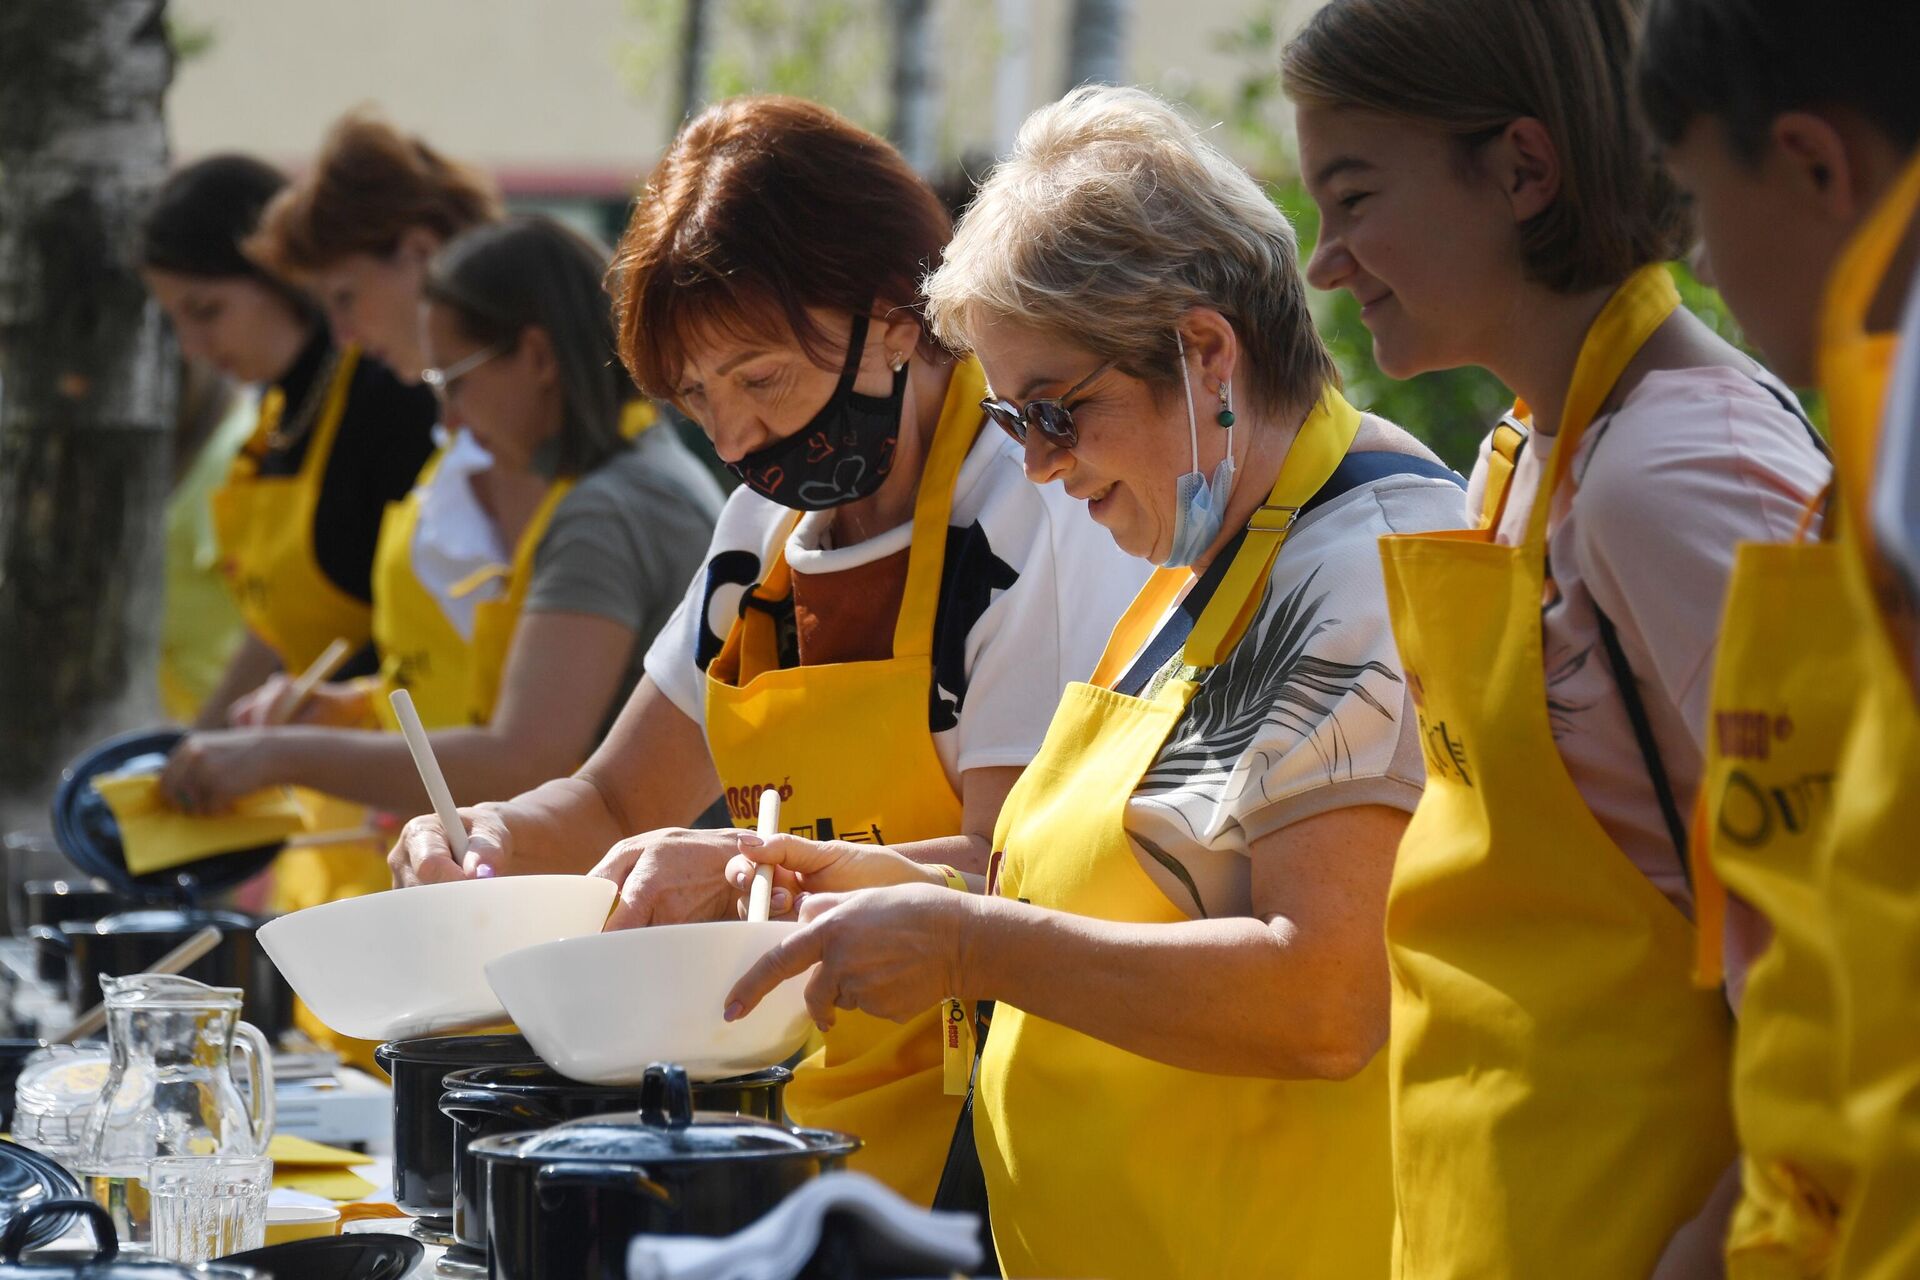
(842, 455)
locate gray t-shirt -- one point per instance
(626, 541)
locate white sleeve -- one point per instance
(1045, 630)
(670, 660)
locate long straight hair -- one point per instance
(501, 278)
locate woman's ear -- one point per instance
(899, 334)
(1527, 164)
(536, 350)
(417, 245)
(1812, 156)
(1212, 345)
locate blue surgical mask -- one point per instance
(1200, 507)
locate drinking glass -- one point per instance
(206, 1207)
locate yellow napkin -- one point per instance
(300, 1164)
(158, 837)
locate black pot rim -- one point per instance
(416, 1051)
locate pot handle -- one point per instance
(469, 1105)
(666, 1099)
(606, 1177)
(52, 936)
(106, 1244)
(251, 1045)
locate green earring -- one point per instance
(1225, 416)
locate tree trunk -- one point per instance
(696, 36)
(916, 84)
(87, 377)
(1097, 42)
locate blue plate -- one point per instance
(88, 834)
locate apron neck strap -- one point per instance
(521, 577)
(1323, 440)
(1637, 308)
(960, 422)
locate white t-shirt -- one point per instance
(1034, 587)
(1692, 463)
(1309, 713)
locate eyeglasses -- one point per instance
(443, 380)
(1053, 417)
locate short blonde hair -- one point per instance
(1110, 220)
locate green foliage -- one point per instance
(189, 40)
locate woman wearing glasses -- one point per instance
(1182, 926)
(888, 610)
(594, 519)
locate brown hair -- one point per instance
(1472, 67)
(762, 207)
(370, 185)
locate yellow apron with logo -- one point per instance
(1559, 1084)
(1100, 1162)
(264, 526)
(420, 649)
(848, 746)
(1873, 879)
(1783, 689)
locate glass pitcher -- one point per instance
(170, 1088)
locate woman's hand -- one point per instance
(342, 705)
(671, 876)
(206, 772)
(893, 952)
(801, 867)
(423, 855)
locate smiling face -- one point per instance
(235, 323)
(1427, 246)
(1133, 445)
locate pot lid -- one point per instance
(163, 920)
(538, 1078)
(28, 1178)
(88, 834)
(666, 1128)
(105, 1262)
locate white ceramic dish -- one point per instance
(410, 962)
(600, 1009)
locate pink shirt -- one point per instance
(1692, 463)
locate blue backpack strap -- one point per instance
(1357, 469)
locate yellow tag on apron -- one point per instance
(1559, 1084)
(1100, 1162)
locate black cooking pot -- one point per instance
(487, 1101)
(132, 941)
(48, 902)
(567, 1201)
(422, 1136)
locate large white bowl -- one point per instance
(600, 1009)
(410, 962)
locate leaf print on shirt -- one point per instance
(1268, 678)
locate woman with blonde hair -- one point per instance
(1181, 925)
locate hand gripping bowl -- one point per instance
(600, 1009)
(410, 962)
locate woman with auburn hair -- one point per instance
(1182, 928)
(1489, 196)
(887, 612)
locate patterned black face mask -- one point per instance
(842, 455)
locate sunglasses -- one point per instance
(1052, 417)
(443, 380)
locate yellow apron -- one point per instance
(1100, 1162)
(494, 621)
(1873, 879)
(420, 650)
(1783, 690)
(1558, 1083)
(848, 746)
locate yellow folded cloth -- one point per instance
(158, 837)
(300, 1164)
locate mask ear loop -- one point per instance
(1186, 385)
(856, 347)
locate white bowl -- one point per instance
(600, 1009)
(410, 962)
